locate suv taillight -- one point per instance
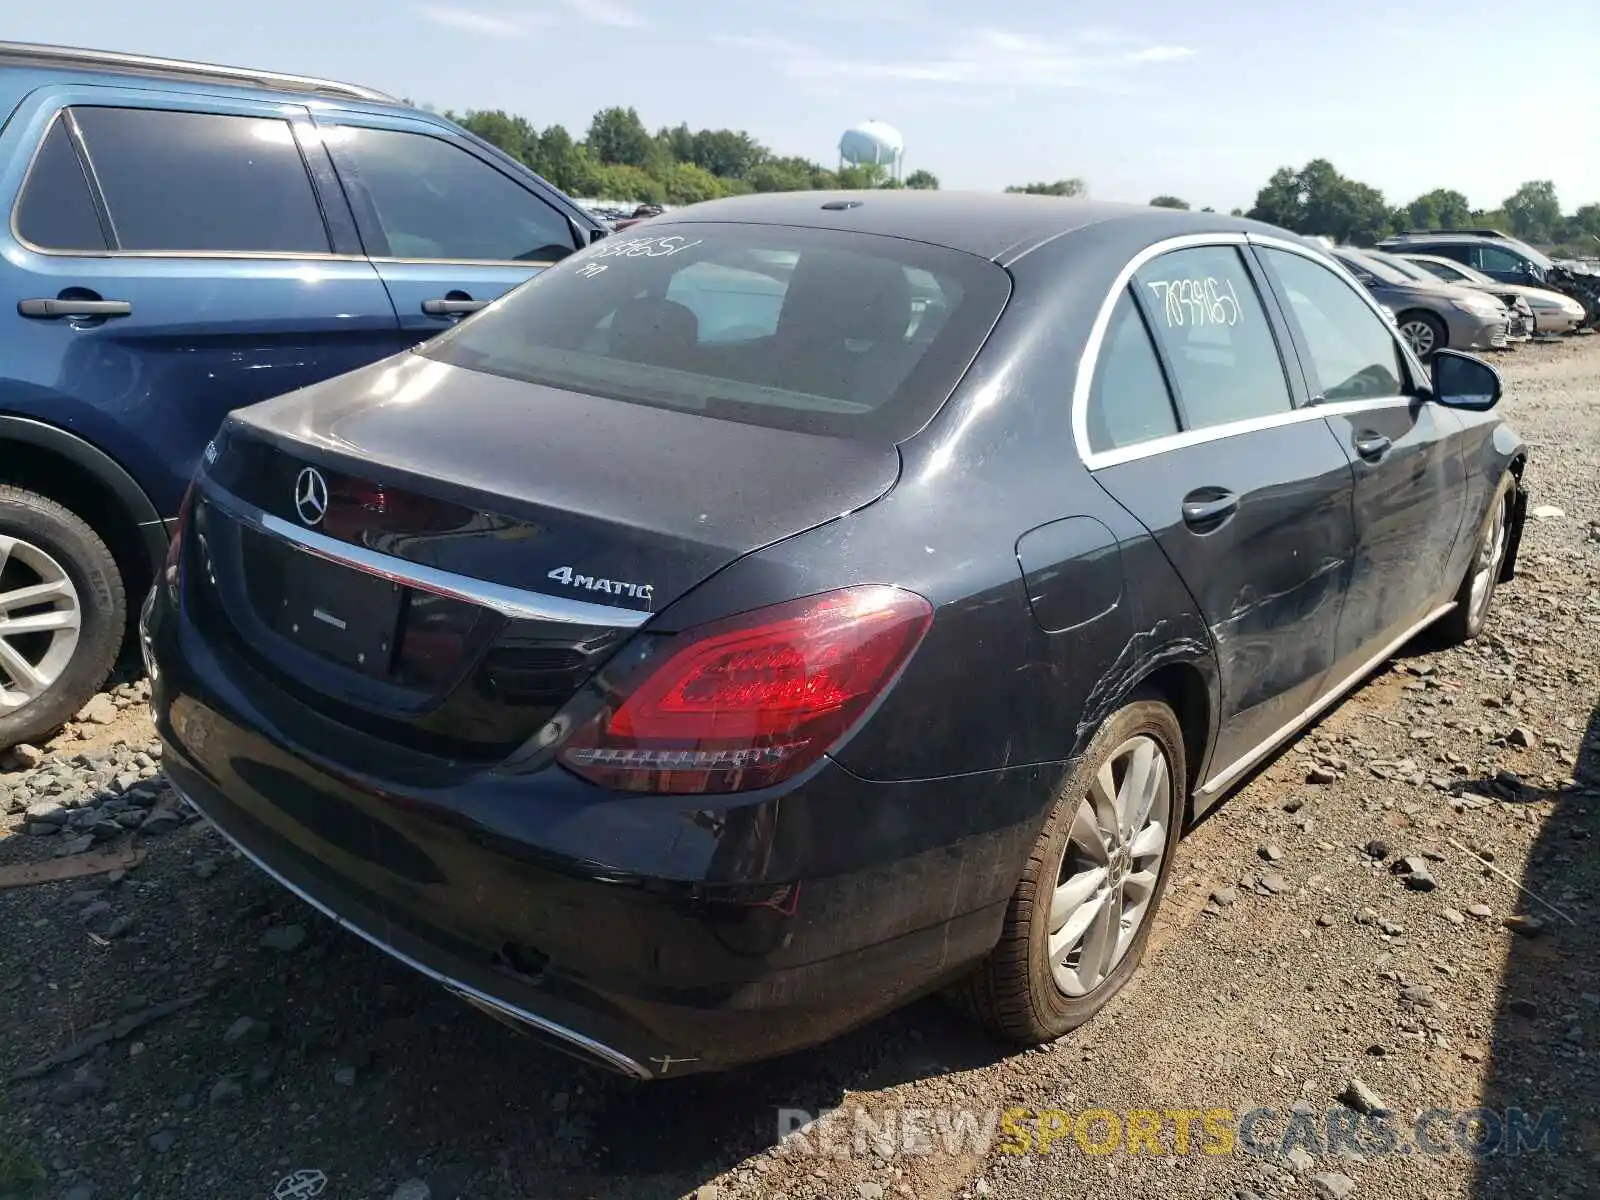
(749, 701)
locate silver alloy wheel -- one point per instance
(1486, 566)
(40, 619)
(1420, 337)
(1111, 865)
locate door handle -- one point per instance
(452, 308)
(74, 308)
(1372, 446)
(1208, 508)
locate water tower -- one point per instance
(873, 143)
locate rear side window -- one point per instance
(1214, 329)
(830, 332)
(435, 200)
(1129, 402)
(202, 182)
(1354, 356)
(1502, 262)
(55, 210)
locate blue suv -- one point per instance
(184, 239)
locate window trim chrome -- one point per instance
(515, 603)
(1088, 361)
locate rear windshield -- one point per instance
(842, 334)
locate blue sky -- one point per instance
(1140, 97)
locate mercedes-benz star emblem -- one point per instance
(311, 496)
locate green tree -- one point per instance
(864, 175)
(618, 138)
(1280, 202)
(1583, 225)
(923, 181)
(1317, 200)
(726, 153)
(1533, 210)
(512, 134)
(1169, 202)
(1442, 208)
(679, 142)
(559, 158)
(1061, 187)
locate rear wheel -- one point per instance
(62, 615)
(1424, 333)
(1079, 919)
(1466, 620)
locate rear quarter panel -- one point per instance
(990, 689)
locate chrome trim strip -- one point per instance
(1213, 789)
(507, 601)
(1213, 433)
(1089, 359)
(615, 1058)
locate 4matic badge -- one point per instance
(614, 587)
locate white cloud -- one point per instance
(1154, 54)
(607, 12)
(990, 59)
(471, 20)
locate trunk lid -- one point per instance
(474, 547)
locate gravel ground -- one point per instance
(229, 1039)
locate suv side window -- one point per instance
(1497, 261)
(437, 201)
(1129, 402)
(1214, 329)
(1353, 354)
(1460, 253)
(202, 182)
(55, 210)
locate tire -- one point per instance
(1017, 991)
(1466, 620)
(46, 546)
(1423, 332)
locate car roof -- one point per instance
(999, 226)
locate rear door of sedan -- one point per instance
(1411, 485)
(1195, 422)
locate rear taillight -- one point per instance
(175, 546)
(748, 701)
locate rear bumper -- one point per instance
(637, 932)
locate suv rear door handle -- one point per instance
(1372, 446)
(1206, 508)
(75, 308)
(452, 308)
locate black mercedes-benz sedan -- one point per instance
(800, 603)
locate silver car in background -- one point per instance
(1517, 308)
(1431, 315)
(1552, 312)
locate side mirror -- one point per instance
(1462, 381)
(596, 234)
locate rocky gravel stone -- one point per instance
(285, 939)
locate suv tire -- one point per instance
(43, 543)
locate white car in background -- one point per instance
(1552, 312)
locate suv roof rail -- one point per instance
(112, 60)
(1475, 232)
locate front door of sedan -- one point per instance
(1410, 479)
(1248, 495)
